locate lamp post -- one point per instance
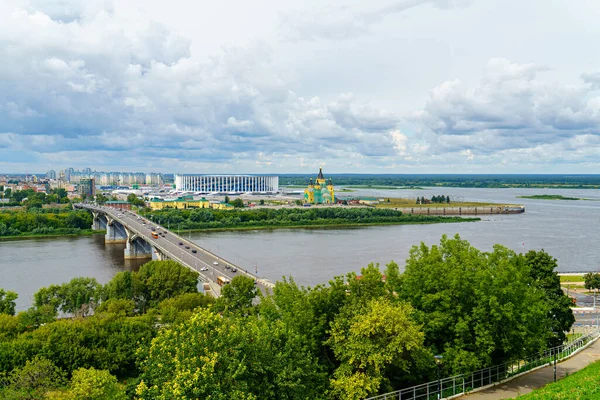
(554, 349)
(438, 361)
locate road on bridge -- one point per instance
(179, 249)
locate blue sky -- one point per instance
(407, 86)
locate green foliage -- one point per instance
(33, 380)
(217, 357)
(180, 308)
(107, 341)
(79, 296)
(592, 280)
(94, 384)
(121, 307)
(35, 317)
(238, 203)
(7, 302)
(101, 199)
(369, 339)
(37, 221)
(560, 317)
(238, 295)
(477, 309)
(285, 217)
(160, 280)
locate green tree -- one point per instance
(34, 379)
(370, 340)
(217, 357)
(119, 287)
(7, 302)
(101, 199)
(238, 295)
(226, 200)
(94, 384)
(560, 316)
(238, 203)
(160, 280)
(34, 317)
(486, 302)
(180, 308)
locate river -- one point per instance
(568, 230)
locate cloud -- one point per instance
(338, 23)
(512, 109)
(79, 81)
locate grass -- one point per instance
(323, 226)
(549, 197)
(83, 232)
(571, 278)
(385, 187)
(403, 203)
(582, 385)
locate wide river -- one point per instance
(568, 230)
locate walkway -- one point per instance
(536, 379)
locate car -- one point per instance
(194, 251)
(181, 243)
(187, 247)
(215, 263)
(234, 269)
(204, 269)
(227, 266)
(165, 232)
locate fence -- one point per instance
(461, 384)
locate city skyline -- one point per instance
(391, 87)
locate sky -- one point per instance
(280, 86)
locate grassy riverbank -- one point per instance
(79, 232)
(549, 197)
(270, 218)
(410, 203)
(44, 223)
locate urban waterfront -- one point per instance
(568, 230)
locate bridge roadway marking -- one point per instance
(172, 240)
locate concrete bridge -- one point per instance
(124, 226)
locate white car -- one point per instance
(204, 269)
(215, 263)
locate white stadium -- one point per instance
(199, 183)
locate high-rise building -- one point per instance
(87, 186)
(51, 174)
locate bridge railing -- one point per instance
(464, 383)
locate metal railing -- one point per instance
(464, 383)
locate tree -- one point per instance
(367, 340)
(34, 379)
(94, 384)
(238, 203)
(180, 308)
(560, 317)
(238, 295)
(226, 200)
(160, 280)
(486, 302)
(229, 358)
(34, 317)
(101, 199)
(7, 302)
(79, 295)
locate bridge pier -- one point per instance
(115, 232)
(157, 255)
(136, 247)
(99, 223)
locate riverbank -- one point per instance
(321, 226)
(549, 197)
(84, 232)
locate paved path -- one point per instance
(536, 379)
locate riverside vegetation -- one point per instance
(196, 219)
(151, 335)
(44, 222)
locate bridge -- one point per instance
(125, 226)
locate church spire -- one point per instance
(320, 176)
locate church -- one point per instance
(319, 192)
